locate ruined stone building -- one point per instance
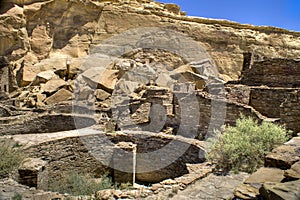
(5, 76)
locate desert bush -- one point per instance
(17, 196)
(75, 183)
(244, 146)
(11, 156)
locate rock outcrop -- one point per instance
(133, 66)
(279, 179)
(45, 28)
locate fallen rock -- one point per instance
(101, 94)
(30, 102)
(98, 77)
(85, 93)
(41, 42)
(31, 173)
(284, 156)
(246, 192)
(53, 85)
(44, 76)
(212, 187)
(124, 87)
(109, 79)
(250, 188)
(281, 191)
(205, 67)
(27, 74)
(39, 99)
(185, 74)
(54, 63)
(164, 80)
(263, 175)
(59, 96)
(105, 194)
(143, 74)
(294, 172)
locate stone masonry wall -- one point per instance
(273, 72)
(268, 100)
(5, 76)
(93, 154)
(212, 114)
(45, 123)
(192, 115)
(290, 112)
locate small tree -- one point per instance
(244, 146)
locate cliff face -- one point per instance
(34, 30)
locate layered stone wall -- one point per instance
(6, 81)
(158, 156)
(192, 115)
(290, 111)
(273, 72)
(268, 100)
(44, 123)
(66, 155)
(216, 113)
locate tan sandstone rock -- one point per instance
(281, 191)
(59, 96)
(294, 172)
(53, 85)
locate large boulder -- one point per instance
(44, 77)
(41, 42)
(250, 188)
(143, 74)
(294, 172)
(98, 77)
(284, 156)
(59, 96)
(27, 71)
(53, 85)
(101, 94)
(281, 191)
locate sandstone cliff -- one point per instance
(34, 30)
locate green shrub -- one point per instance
(243, 147)
(75, 183)
(17, 196)
(11, 156)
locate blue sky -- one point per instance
(278, 13)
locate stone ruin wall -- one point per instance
(274, 85)
(290, 111)
(6, 77)
(166, 108)
(273, 73)
(268, 101)
(93, 154)
(43, 123)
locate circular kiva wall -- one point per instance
(158, 157)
